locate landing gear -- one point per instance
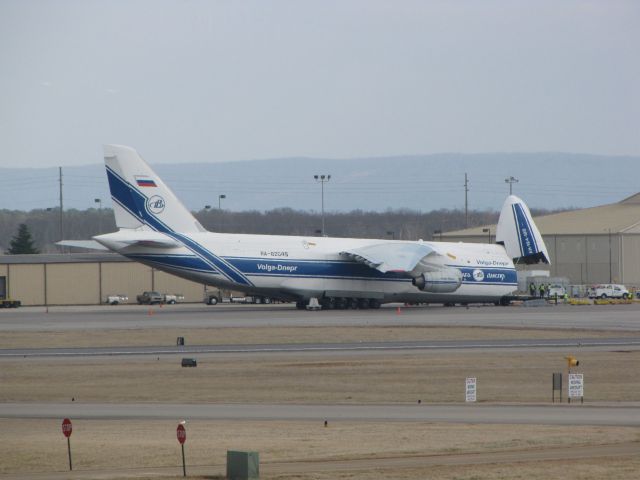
(327, 303)
(341, 303)
(373, 303)
(505, 301)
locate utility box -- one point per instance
(189, 362)
(243, 465)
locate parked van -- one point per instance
(556, 289)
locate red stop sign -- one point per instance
(181, 433)
(66, 427)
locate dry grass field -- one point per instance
(124, 446)
(305, 450)
(345, 377)
(257, 335)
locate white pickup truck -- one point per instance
(609, 291)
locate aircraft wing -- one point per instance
(400, 257)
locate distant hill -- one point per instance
(422, 183)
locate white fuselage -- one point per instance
(303, 267)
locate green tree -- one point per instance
(22, 243)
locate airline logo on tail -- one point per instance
(156, 204)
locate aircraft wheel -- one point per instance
(342, 303)
(213, 300)
(363, 303)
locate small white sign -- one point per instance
(471, 389)
(576, 385)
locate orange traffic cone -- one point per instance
(398, 311)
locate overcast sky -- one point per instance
(205, 81)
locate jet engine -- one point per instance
(445, 280)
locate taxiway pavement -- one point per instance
(594, 317)
(555, 414)
(630, 342)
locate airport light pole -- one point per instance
(207, 208)
(511, 180)
(488, 231)
(610, 269)
(322, 179)
(220, 198)
(99, 202)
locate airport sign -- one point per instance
(470, 393)
(576, 385)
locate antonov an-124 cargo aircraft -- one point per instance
(157, 230)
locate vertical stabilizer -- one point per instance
(141, 198)
(519, 234)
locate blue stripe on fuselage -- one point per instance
(332, 269)
(184, 262)
(490, 276)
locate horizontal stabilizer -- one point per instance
(88, 244)
(153, 243)
(126, 238)
(519, 234)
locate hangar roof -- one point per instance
(621, 217)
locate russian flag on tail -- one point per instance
(145, 182)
